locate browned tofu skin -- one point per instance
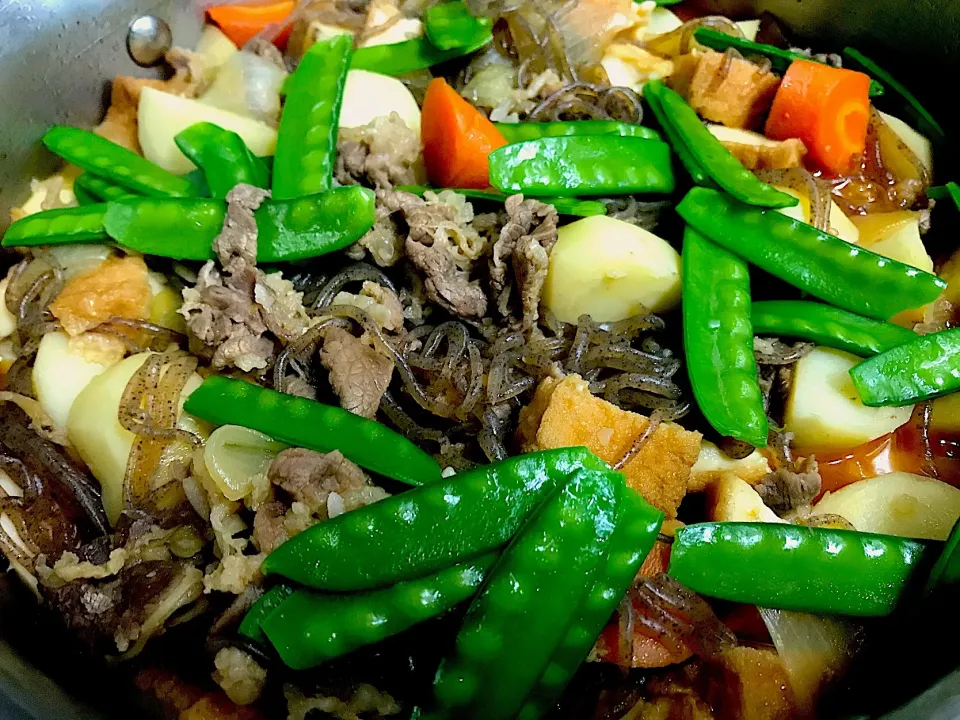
(724, 89)
(786, 154)
(750, 684)
(118, 287)
(564, 414)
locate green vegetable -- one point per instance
(287, 230)
(450, 26)
(927, 367)
(516, 623)
(911, 107)
(718, 162)
(63, 226)
(945, 574)
(251, 626)
(564, 206)
(583, 165)
(84, 197)
(409, 55)
(306, 423)
(689, 162)
(428, 528)
(718, 340)
(827, 326)
(779, 58)
(307, 138)
(520, 131)
(942, 192)
(114, 163)
(100, 188)
(792, 567)
(223, 156)
(310, 628)
(634, 536)
(823, 265)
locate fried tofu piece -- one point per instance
(724, 89)
(564, 413)
(749, 683)
(712, 465)
(756, 152)
(118, 287)
(677, 707)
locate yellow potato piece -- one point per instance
(60, 373)
(610, 270)
(824, 411)
(369, 95)
(712, 465)
(895, 235)
(731, 499)
(896, 504)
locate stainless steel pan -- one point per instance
(56, 60)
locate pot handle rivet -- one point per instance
(148, 40)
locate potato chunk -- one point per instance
(750, 684)
(712, 465)
(564, 414)
(118, 287)
(610, 270)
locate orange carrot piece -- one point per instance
(826, 107)
(457, 139)
(242, 22)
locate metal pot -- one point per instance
(57, 58)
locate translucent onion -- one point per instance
(234, 456)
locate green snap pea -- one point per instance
(827, 326)
(311, 628)
(63, 226)
(925, 368)
(718, 340)
(779, 58)
(307, 138)
(689, 162)
(911, 107)
(114, 163)
(564, 206)
(409, 55)
(520, 131)
(450, 25)
(288, 230)
(306, 423)
(223, 156)
(102, 189)
(583, 165)
(633, 538)
(945, 574)
(792, 567)
(518, 620)
(718, 162)
(941, 192)
(427, 528)
(83, 196)
(251, 625)
(823, 265)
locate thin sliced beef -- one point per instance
(358, 373)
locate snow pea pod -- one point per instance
(520, 131)
(409, 55)
(637, 526)
(306, 423)
(945, 574)
(792, 567)
(83, 196)
(63, 226)
(925, 368)
(184, 229)
(251, 625)
(556, 557)
(718, 162)
(450, 25)
(427, 528)
(102, 189)
(564, 206)
(223, 156)
(827, 326)
(779, 58)
(925, 122)
(307, 138)
(823, 265)
(310, 628)
(689, 162)
(583, 165)
(114, 163)
(718, 340)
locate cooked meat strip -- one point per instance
(359, 374)
(791, 487)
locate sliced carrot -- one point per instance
(242, 22)
(826, 107)
(457, 139)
